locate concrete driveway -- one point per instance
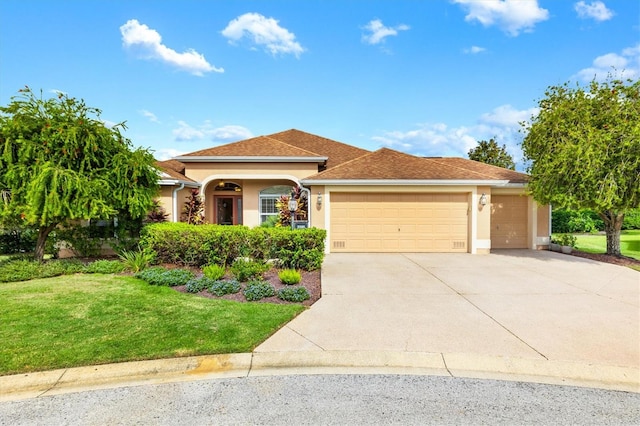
(536, 305)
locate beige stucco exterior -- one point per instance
(253, 177)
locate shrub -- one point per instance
(567, 240)
(245, 270)
(222, 287)
(298, 249)
(83, 241)
(183, 244)
(289, 276)
(257, 290)
(136, 261)
(19, 270)
(26, 269)
(17, 240)
(105, 267)
(215, 272)
(191, 245)
(575, 221)
(631, 219)
(196, 285)
(165, 277)
(294, 294)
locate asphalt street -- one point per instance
(330, 399)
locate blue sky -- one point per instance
(424, 77)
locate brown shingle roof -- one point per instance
(172, 165)
(169, 168)
(387, 164)
(337, 152)
(492, 172)
(261, 146)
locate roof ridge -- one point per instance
(292, 146)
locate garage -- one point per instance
(393, 222)
(509, 221)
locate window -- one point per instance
(268, 199)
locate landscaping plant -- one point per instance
(222, 287)
(245, 270)
(257, 290)
(289, 276)
(215, 272)
(294, 294)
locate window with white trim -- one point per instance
(269, 198)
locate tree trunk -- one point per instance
(43, 233)
(612, 226)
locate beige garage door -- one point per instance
(362, 222)
(508, 221)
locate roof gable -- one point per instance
(337, 152)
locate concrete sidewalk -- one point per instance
(514, 315)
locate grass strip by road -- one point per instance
(78, 320)
(629, 243)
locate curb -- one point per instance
(55, 382)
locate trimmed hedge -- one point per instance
(198, 245)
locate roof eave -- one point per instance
(174, 182)
(249, 159)
(413, 182)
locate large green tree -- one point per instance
(490, 152)
(584, 150)
(59, 162)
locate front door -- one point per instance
(228, 210)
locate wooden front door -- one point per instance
(228, 209)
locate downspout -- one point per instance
(174, 198)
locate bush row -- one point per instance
(191, 245)
(568, 221)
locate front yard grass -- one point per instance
(77, 320)
(629, 243)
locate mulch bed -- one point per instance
(310, 280)
(622, 260)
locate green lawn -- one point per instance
(77, 320)
(629, 243)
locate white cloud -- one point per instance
(149, 45)
(512, 16)
(623, 65)
(229, 133)
(264, 32)
(167, 153)
(596, 10)
(378, 32)
(474, 50)
(148, 114)
(438, 139)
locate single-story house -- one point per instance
(380, 201)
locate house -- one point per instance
(380, 201)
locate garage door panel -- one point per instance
(509, 227)
(399, 222)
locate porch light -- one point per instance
(483, 199)
(221, 183)
(293, 206)
(319, 201)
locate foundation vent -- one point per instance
(459, 244)
(338, 244)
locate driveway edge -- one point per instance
(47, 383)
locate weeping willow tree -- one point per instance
(59, 162)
